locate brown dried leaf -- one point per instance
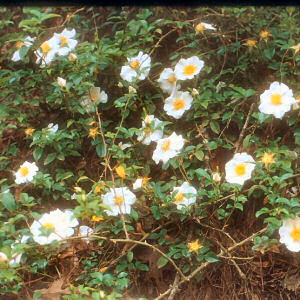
(54, 292)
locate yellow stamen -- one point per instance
(295, 234)
(276, 99)
(24, 171)
(240, 169)
(166, 146)
(134, 65)
(19, 44)
(172, 78)
(48, 225)
(200, 27)
(64, 40)
(179, 197)
(45, 47)
(251, 43)
(118, 200)
(189, 69)
(179, 104)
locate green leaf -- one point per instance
(100, 149)
(246, 141)
(50, 157)
(130, 256)
(215, 127)
(199, 154)
(8, 201)
(202, 173)
(37, 153)
(162, 262)
(134, 214)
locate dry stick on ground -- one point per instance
(204, 265)
(244, 128)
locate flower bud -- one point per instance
(61, 82)
(72, 57)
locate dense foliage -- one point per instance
(80, 117)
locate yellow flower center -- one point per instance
(200, 27)
(179, 104)
(64, 40)
(93, 132)
(240, 169)
(276, 99)
(179, 197)
(48, 225)
(189, 69)
(166, 146)
(45, 47)
(134, 65)
(172, 78)
(94, 96)
(295, 234)
(118, 200)
(24, 171)
(19, 44)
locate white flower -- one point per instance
(185, 195)
(59, 224)
(97, 95)
(66, 43)
(72, 57)
(277, 100)
(61, 82)
(119, 200)
(167, 148)
(26, 172)
(152, 130)
(93, 99)
(177, 104)
(239, 169)
(138, 183)
(48, 51)
(85, 231)
(124, 146)
(52, 128)
(167, 80)
(290, 234)
(138, 67)
(188, 68)
(203, 26)
(27, 43)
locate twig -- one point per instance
(175, 286)
(244, 128)
(161, 38)
(204, 265)
(147, 245)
